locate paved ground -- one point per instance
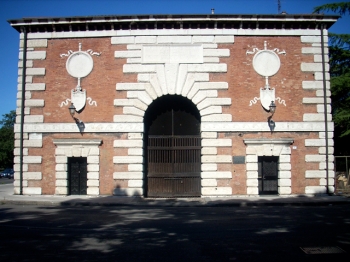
(7, 196)
(157, 233)
(83, 228)
(4, 181)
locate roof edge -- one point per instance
(48, 24)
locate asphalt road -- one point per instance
(34, 233)
(5, 181)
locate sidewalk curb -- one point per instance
(132, 202)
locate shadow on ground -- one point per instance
(161, 233)
(236, 201)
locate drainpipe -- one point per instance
(24, 60)
(325, 106)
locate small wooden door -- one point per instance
(77, 175)
(268, 175)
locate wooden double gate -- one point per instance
(174, 165)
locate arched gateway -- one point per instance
(172, 148)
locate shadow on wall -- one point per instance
(118, 191)
(126, 197)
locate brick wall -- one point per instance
(223, 87)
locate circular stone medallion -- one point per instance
(79, 64)
(266, 63)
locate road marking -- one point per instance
(322, 250)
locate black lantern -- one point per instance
(272, 125)
(72, 109)
(272, 107)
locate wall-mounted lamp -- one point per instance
(272, 108)
(272, 125)
(79, 123)
(71, 109)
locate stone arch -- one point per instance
(184, 73)
(168, 102)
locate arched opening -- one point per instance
(172, 148)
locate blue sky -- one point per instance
(15, 9)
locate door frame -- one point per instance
(67, 147)
(280, 147)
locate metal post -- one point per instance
(325, 106)
(347, 169)
(24, 60)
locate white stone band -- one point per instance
(205, 127)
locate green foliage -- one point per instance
(7, 139)
(341, 102)
(339, 61)
(340, 40)
(8, 119)
(340, 8)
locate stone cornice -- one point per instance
(101, 23)
(168, 32)
(264, 127)
(88, 128)
(205, 127)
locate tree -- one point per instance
(7, 139)
(339, 60)
(341, 8)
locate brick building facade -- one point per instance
(172, 106)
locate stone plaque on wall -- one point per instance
(238, 159)
(184, 54)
